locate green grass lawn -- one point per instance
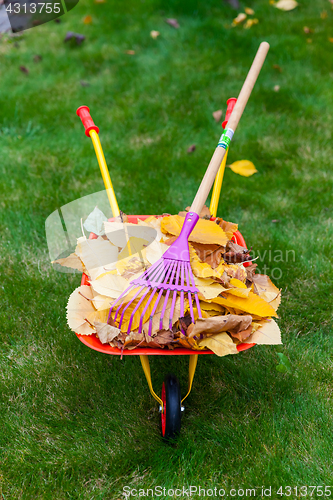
(76, 424)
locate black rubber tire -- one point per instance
(172, 407)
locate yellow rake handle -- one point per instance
(214, 202)
(92, 131)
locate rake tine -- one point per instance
(174, 267)
(174, 296)
(127, 306)
(117, 300)
(134, 311)
(153, 312)
(145, 309)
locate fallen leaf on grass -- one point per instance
(250, 22)
(276, 88)
(87, 20)
(37, 58)
(249, 11)
(309, 40)
(218, 115)
(307, 30)
(330, 40)
(83, 83)
(277, 67)
(154, 34)
(24, 70)
(239, 19)
(286, 5)
(191, 148)
(172, 22)
(323, 14)
(243, 167)
(130, 52)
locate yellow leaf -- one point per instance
(250, 22)
(98, 256)
(110, 285)
(243, 167)
(71, 261)
(330, 40)
(249, 11)
(87, 20)
(221, 344)
(286, 4)
(266, 333)
(79, 308)
(205, 231)
(254, 304)
(267, 290)
(208, 288)
(237, 283)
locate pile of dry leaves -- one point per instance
(237, 305)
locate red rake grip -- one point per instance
(230, 106)
(87, 121)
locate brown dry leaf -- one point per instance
(172, 22)
(239, 19)
(243, 167)
(221, 344)
(217, 324)
(71, 261)
(205, 231)
(79, 308)
(250, 22)
(130, 52)
(268, 333)
(228, 227)
(211, 254)
(266, 289)
(87, 20)
(286, 5)
(243, 335)
(191, 149)
(249, 11)
(106, 333)
(201, 269)
(218, 115)
(204, 214)
(277, 67)
(254, 304)
(330, 40)
(24, 69)
(307, 30)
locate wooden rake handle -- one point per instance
(220, 151)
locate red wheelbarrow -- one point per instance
(171, 401)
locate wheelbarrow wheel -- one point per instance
(171, 414)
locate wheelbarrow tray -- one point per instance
(93, 341)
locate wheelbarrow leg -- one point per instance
(146, 368)
(191, 371)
